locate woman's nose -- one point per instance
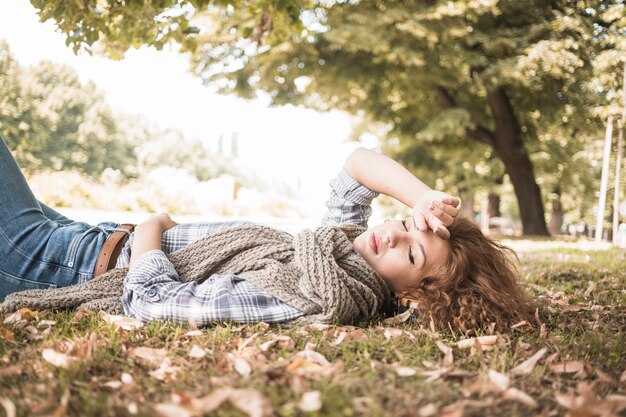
(394, 237)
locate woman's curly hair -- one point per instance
(477, 286)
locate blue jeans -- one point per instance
(39, 247)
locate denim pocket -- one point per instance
(10, 284)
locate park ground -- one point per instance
(571, 361)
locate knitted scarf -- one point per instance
(317, 271)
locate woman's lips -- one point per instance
(374, 244)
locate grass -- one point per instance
(381, 370)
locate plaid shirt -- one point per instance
(152, 290)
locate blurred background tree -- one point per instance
(479, 95)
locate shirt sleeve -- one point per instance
(349, 202)
(152, 290)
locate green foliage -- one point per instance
(119, 26)
(431, 72)
(53, 121)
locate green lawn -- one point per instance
(77, 364)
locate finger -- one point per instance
(420, 222)
(450, 210)
(441, 215)
(453, 201)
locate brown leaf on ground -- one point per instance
(435, 374)
(572, 308)
(7, 334)
(122, 322)
(345, 336)
(10, 371)
(280, 339)
(427, 410)
(453, 410)
(57, 359)
(400, 318)
(499, 380)
(149, 356)
(566, 367)
(311, 401)
(592, 286)
(9, 407)
(242, 366)
(392, 332)
(520, 396)
(249, 401)
(587, 403)
(62, 408)
(528, 365)
(81, 314)
(481, 340)
(448, 356)
(405, 371)
(83, 349)
(196, 352)
(165, 372)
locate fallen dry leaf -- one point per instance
(7, 334)
(448, 356)
(405, 371)
(572, 308)
(165, 372)
(566, 367)
(10, 371)
(250, 401)
(58, 359)
(121, 322)
(427, 410)
(193, 333)
(481, 340)
(9, 407)
(277, 340)
(62, 408)
(314, 357)
(528, 365)
(149, 356)
(196, 352)
(392, 333)
(453, 410)
(522, 323)
(114, 385)
(399, 318)
(499, 380)
(592, 286)
(311, 401)
(435, 374)
(126, 378)
(242, 366)
(520, 396)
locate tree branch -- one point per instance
(479, 133)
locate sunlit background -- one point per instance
(292, 151)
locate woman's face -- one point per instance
(401, 254)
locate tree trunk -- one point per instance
(556, 220)
(510, 147)
(493, 205)
(467, 204)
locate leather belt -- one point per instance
(111, 249)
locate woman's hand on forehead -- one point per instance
(436, 210)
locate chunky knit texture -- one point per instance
(317, 272)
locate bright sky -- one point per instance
(282, 144)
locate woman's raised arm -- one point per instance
(431, 209)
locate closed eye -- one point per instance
(411, 258)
